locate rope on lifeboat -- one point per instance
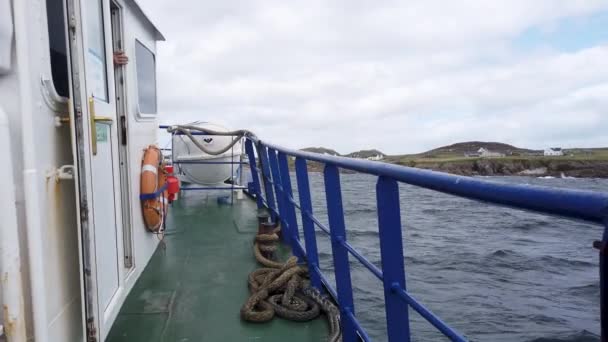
(187, 130)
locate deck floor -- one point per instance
(193, 289)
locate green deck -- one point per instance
(193, 290)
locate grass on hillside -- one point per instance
(594, 155)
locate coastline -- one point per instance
(534, 167)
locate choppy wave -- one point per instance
(582, 336)
(530, 224)
(589, 290)
(489, 271)
(363, 233)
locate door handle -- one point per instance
(105, 119)
(94, 120)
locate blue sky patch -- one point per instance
(568, 34)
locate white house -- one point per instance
(554, 151)
(375, 157)
(485, 153)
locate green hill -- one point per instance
(321, 150)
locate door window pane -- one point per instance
(96, 54)
(58, 44)
(146, 79)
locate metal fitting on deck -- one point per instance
(600, 245)
(263, 216)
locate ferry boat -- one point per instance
(85, 202)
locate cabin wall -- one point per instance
(9, 103)
(39, 147)
(141, 132)
(49, 147)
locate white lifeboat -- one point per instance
(196, 166)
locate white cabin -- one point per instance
(73, 126)
(375, 157)
(554, 151)
(485, 153)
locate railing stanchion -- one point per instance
(290, 209)
(603, 249)
(263, 155)
(391, 252)
(254, 173)
(335, 214)
(308, 227)
(585, 205)
(278, 191)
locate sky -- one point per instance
(398, 76)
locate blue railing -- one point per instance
(273, 190)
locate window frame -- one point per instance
(104, 54)
(140, 114)
(50, 82)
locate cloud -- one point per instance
(398, 76)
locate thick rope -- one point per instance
(187, 130)
(281, 282)
(283, 289)
(331, 311)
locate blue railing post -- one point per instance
(263, 155)
(278, 190)
(308, 226)
(290, 209)
(254, 173)
(335, 214)
(603, 249)
(391, 252)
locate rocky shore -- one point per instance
(519, 167)
(509, 160)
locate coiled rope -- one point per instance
(283, 289)
(331, 311)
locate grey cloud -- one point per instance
(398, 76)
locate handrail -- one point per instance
(578, 204)
(272, 180)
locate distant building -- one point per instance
(367, 154)
(485, 153)
(554, 151)
(376, 157)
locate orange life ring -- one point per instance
(153, 194)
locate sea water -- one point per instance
(492, 273)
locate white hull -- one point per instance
(208, 174)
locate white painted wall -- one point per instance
(142, 132)
(47, 147)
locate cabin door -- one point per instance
(105, 241)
